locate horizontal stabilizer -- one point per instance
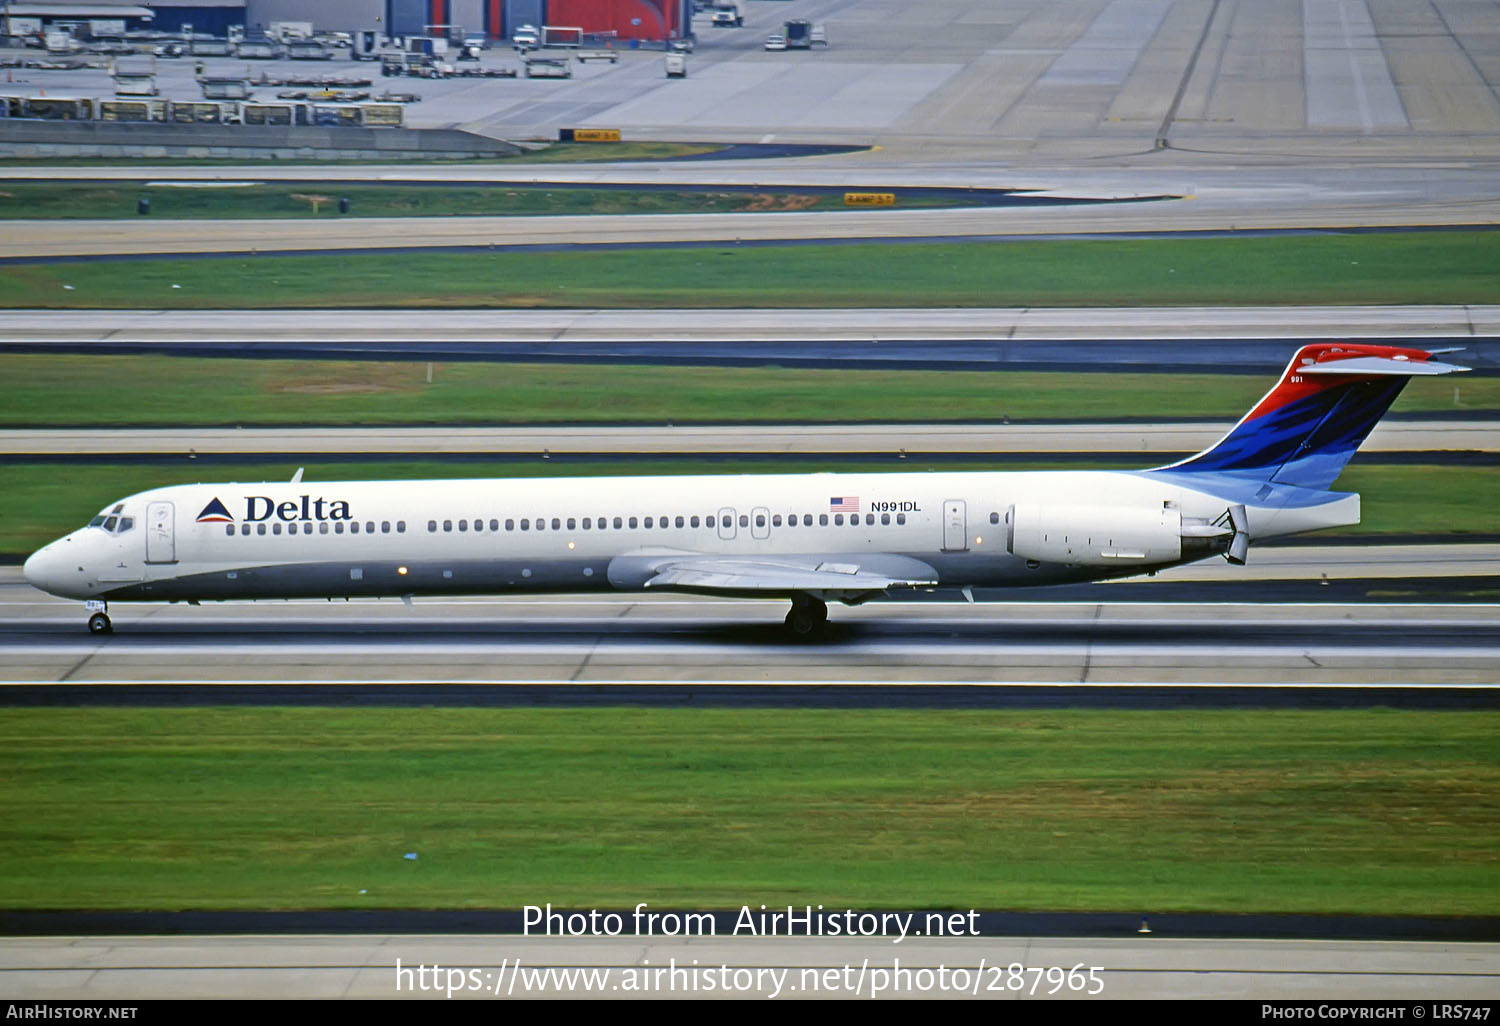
(1362, 365)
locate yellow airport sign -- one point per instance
(869, 199)
(596, 135)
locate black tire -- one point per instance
(99, 624)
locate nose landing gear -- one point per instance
(808, 617)
(99, 619)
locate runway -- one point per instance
(506, 967)
(1118, 330)
(653, 639)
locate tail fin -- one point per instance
(1308, 427)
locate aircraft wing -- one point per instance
(836, 576)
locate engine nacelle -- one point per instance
(1096, 535)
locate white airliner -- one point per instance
(808, 538)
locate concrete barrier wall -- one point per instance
(28, 138)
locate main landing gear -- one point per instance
(808, 617)
(99, 619)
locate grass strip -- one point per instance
(26, 201)
(1361, 268)
(117, 391)
(1339, 812)
(42, 501)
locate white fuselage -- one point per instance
(336, 539)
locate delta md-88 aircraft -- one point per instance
(806, 538)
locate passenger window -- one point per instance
(556, 524)
(479, 525)
(744, 520)
(760, 520)
(525, 524)
(494, 525)
(807, 520)
(648, 522)
(679, 521)
(510, 525)
(385, 527)
(632, 522)
(885, 520)
(694, 521)
(447, 525)
(463, 525)
(338, 527)
(323, 528)
(618, 524)
(229, 530)
(776, 520)
(401, 527)
(541, 524)
(838, 520)
(869, 519)
(244, 529)
(260, 529)
(432, 526)
(276, 528)
(572, 524)
(354, 527)
(994, 518)
(900, 518)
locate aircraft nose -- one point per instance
(34, 569)
(43, 569)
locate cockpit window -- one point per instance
(126, 523)
(97, 521)
(109, 524)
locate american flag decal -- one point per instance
(843, 504)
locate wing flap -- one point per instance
(833, 575)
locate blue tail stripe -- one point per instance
(1307, 442)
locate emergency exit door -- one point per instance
(955, 526)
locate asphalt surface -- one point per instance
(1139, 441)
(130, 968)
(1185, 637)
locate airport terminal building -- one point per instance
(621, 19)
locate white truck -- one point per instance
(729, 13)
(677, 65)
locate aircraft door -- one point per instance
(160, 544)
(726, 524)
(760, 522)
(955, 526)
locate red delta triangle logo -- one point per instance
(215, 513)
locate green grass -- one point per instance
(1407, 267)
(120, 390)
(20, 201)
(79, 391)
(1358, 812)
(42, 501)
